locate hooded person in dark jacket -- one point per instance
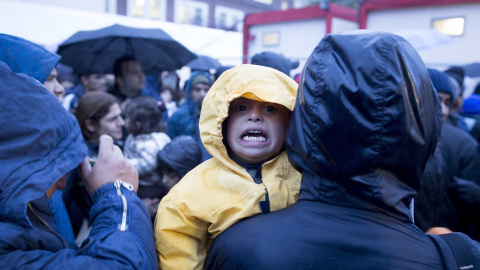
(274, 60)
(175, 160)
(40, 143)
(23, 56)
(365, 122)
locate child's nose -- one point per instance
(255, 115)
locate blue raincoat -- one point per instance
(39, 143)
(23, 56)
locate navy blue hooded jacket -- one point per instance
(365, 122)
(23, 56)
(40, 142)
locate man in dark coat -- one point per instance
(365, 122)
(459, 210)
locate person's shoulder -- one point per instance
(160, 138)
(161, 135)
(78, 90)
(179, 113)
(452, 133)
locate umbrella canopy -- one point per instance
(95, 51)
(472, 70)
(203, 62)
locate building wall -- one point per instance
(462, 50)
(293, 43)
(341, 25)
(229, 18)
(207, 13)
(85, 5)
(191, 12)
(151, 9)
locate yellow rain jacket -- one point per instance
(219, 192)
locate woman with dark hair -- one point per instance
(97, 113)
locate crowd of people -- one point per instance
(367, 159)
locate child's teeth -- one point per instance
(257, 139)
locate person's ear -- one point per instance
(90, 125)
(138, 125)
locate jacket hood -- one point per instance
(23, 56)
(196, 77)
(249, 81)
(365, 122)
(40, 142)
(275, 60)
(182, 154)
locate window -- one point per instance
(197, 20)
(183, 14)
(271, 39)
(222, 21)
(154, 9)
(138, 8)
(266, 2)
(450, 26)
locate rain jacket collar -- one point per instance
(40, 142)
(366, 120)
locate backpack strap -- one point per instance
(461, 250)
(455, 251)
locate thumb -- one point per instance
(105, 145)
(85, 168)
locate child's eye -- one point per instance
(270, 109)
(242, 108)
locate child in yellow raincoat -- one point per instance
(243, 125)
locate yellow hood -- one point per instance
(249, 81)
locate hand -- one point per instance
(465, 191)
(109, 166)
(439, 230)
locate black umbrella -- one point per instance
(472, 70)
(95, 51)
(203, 62)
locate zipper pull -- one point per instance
(265, 205)
(119, 183)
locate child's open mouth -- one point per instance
(254, 136)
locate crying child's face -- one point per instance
(256, 130)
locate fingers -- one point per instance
(106, 145)
(117, 151)
(85, 168)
